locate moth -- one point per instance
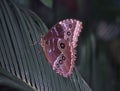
(59, 45)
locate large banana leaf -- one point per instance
(23, 65)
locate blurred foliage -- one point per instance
(98, 51)
(48, 3)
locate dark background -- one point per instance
(99, 43)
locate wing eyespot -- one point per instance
(60, 61)
(62, 45)
(57, 65)
(70, 25)
(63, 57)
(68, 33)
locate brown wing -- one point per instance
(59, 45)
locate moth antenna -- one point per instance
(40, 51)
(37, 42)
(34, 43)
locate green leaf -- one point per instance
(8, 80)
(21, 56)
(47, 3)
